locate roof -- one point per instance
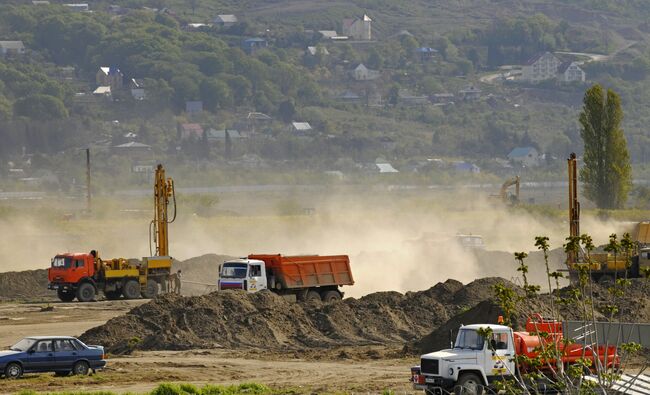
(537, 57)
(328, 33)
(426, 50)
(491, 326)
(49, 337)
(132, 144)
(40, 2)
(221, 134)
(361, 66)
(301, 126)
(255, 40)
(194, 127)
(564, 66)
(349, 95)
(386, 168)
(402, 32)
(366, 18)
(102, 90)
(471, 89)
(226, 18)
(315, 50)
(18, 45)
(259, 116)
(521, 152)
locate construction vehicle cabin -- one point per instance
(84, 275)
(504, 196)
(604, 267)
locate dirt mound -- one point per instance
(200, 273)
(237, 319)
(25, 285)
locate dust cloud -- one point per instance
(397, 241)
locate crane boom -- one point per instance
(163, 191)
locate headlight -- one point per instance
(451, 371)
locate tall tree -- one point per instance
(607, 173)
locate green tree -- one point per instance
(41, 107)
(287, 110)
(607, 172)
(215, 94)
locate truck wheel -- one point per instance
(13, 371)
(606, 280)
(113, 295)
(469, 384)
(65, 296)
(151, 290)
(131, 290)
(86, 292)
(312, 296)
(80, 368)
(331, 297)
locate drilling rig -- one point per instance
(84, 275)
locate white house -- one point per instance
(525, 156)
(358, 28)
(11, 48)
(78, 7)
(385, 167)
(317, 50)
(570, 72)
(540, 67)
(226, 20)
(362, 73)
(301, 128)
(137, 89)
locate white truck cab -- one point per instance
(247, 274)
(473, 363)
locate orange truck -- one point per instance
(306, 277)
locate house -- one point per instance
(388, 143)
(137, 89)
(332, 35)
(462, 166)
(426, 53)
(301, 128)
(385, 168)
(40, 2)
(8, 48)
(253, 44)
(470, 93)
(362, 73)
(219, 136)
(525, 156)
(442, 98)
(349, 97)
(132, 148)
(570, 72)
(226, 20)
(103, 91)
(358, 28)
(197, 26)
(313, 51)
(194, 107)
(190, 131)
(406, 98)
(255, 120)
(540, 67)
(110, 76)
(78, 7)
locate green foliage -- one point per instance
(607, 171)
(41, 107)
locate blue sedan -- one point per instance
(59, 354)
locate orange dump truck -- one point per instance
(306, 277)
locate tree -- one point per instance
(607, 172)
(41, 107)
(287, 110)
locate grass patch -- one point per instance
(181, 389)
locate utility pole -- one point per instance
(88, 179)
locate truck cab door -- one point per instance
(503, 354)
(256, 277)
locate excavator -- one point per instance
(604, 267)
(84, 275)
(504, 196)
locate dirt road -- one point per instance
(367, 369)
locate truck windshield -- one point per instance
(234, 270)
(469, 339)
(61, 261)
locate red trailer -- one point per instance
(305, 277)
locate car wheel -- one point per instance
(331, 296)
(80, 368)
(469, 384)
(62, 374)
(131, 290)
(86, 292)
(13, 371)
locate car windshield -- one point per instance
(23, 345)
(234, 270)
(469, 339)
(61, 261)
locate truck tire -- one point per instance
(131, 290)
(312, 296)
(113, 295)
(86, 292)
(469, 384)
(331, 296)
(151, 290)
(65, 296)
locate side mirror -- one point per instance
(31, 351)
(219, 268)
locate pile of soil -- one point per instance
(25, 285)
(236, 319)
(200, 273)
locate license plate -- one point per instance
(431, 380)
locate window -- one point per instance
(79, 263)
(233, 270)
(256, 270)
(78, 345)
(499, 341)
(44, 346)
(60, 261)
(64, 345)
(469, 339)
(23, 345)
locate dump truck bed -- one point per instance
(308, 270)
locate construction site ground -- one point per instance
(350, 369)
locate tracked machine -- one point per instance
(84, 275)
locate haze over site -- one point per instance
(396, 241)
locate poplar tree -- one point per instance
(606, 174)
